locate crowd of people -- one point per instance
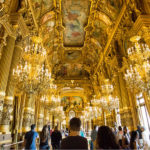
(102, 137)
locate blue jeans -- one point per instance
(91, 146)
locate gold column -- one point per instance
(5, 64)
(23, 98)
(147, 102)
(8, 101)
(28, 112)
(40, 118)
(46, 118)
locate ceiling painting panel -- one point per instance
(72, 55)
(71, 101)
(75, 16)
(71, 70)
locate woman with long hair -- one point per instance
(134, 140)
(44, 138)
(106, 139)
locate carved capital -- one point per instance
(4, 20)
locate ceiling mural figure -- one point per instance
(75, 15)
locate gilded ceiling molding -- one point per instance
(17, 20)
(33, 15)
(4, 20)
(103, 17)
(106, 49)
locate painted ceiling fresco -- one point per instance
(72, 55)
(75, 16)
(72, 70)
(67, 101)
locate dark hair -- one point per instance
(134, 135)
(139, 131)
(106, 138)
(120, 128)
(44, 134)
(75, 124)
(56, 128)
(32, 126)
(49, 128)
(125, 128)
(95, 127)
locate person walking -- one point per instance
(45, 138)
(56, 138)
(74, 140)
(30, 138)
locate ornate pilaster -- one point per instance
(27, 117)
(8, 101)
(5, 64)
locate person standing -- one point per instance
(74, 140)
(56, 138)
(120, 136)
(106, 139)
(45, 138)
(134, 140)
(30, 138)
(125, 138)
(93, 138)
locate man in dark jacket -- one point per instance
(74, 140)
(56, 138)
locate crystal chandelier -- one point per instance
(107, 101)
(31, 77)
(34, 51)
(44, 99)
(133, 78)
(138, 52)
(138, 75)
(56, 99)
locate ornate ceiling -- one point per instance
(77, 34)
